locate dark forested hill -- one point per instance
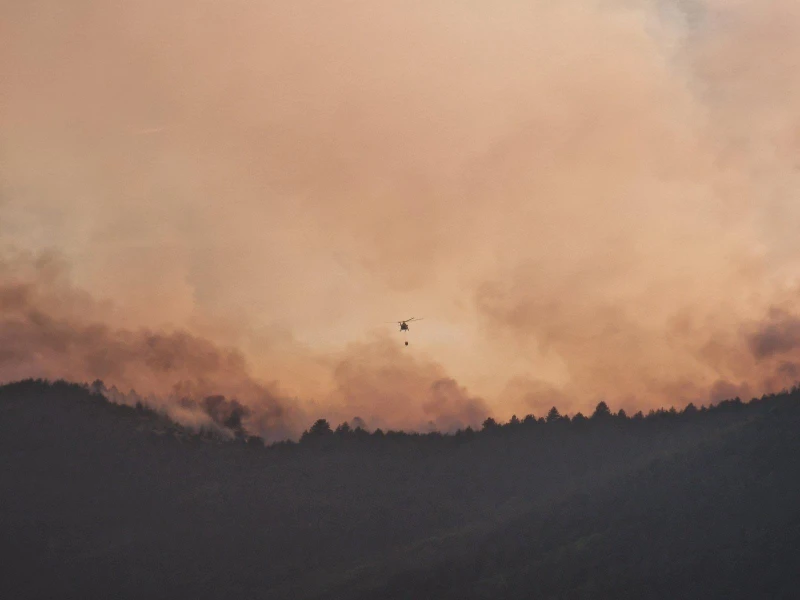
(99, 500)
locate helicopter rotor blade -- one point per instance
(405, 320)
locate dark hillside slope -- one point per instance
(100, 500)
(721, 520)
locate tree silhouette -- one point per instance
(601, 411)
(553, 415)
(320, 428)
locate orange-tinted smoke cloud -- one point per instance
(584, 200)
(51, 330)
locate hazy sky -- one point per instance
(584, 199)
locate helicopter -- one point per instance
(404, 324)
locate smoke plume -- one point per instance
(585, 200)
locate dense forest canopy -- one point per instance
(118, 501)
(225, 418)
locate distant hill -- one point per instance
(100, 500)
